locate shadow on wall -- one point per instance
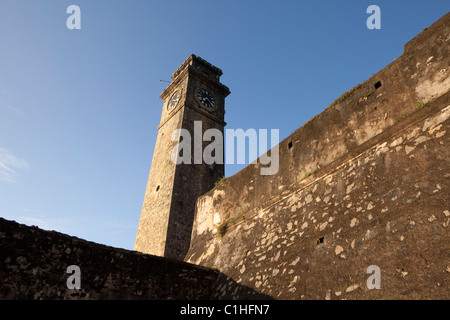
(35, 264)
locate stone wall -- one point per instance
(34, 262)
(363, 183)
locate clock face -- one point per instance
(173, 100)
(206, 98)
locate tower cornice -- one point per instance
(189, 71)
(188, 68)
(196, 59)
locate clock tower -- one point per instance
(195, 96)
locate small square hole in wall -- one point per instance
(290, 145)
(377, 85)
(319, 241)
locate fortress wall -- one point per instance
(420, 74)
(33, 265)
(364, 150)
(388, 206)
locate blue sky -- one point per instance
(79, 108)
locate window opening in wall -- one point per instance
(319, 241)
(290, 145)
(157, 188)
(377, 85)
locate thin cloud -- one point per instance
(34, 222)
(67, 177)
(10, 166)
(8, 104)
(46, 223)
(16, 111)
(6, 93)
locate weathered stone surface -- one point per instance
(33, 265)
(364, 183)
(399, 220)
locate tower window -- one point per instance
(290, 145)
(157, 188)
(377, 85)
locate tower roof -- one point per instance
(194, 59)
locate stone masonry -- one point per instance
(363, 183)
(34, 262)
